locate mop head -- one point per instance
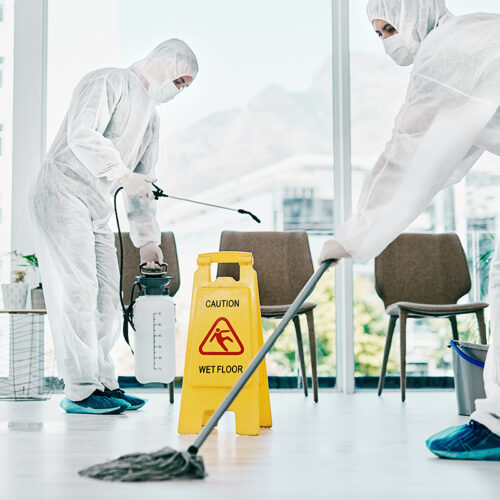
(161, 465)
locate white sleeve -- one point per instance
(430, 147)
(141, 213)
(91, 108)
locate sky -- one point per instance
(241, 46)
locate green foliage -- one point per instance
(483, 265)
(19, 276)
(370, 323)
(370, 326)
(370, 330)
(282, 360)
(30, 260)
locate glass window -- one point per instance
(469, 208)
(254, 131)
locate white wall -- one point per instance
(28, 141)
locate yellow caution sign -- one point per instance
(225, 333)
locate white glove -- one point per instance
(151, 254)
(138, 185)
(332, 249)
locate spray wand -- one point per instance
(158, 193)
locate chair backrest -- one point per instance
(423, 268)
(282, 261)
(131, 262)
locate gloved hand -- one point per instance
(332, 249)
(138, 185)
(151, 254)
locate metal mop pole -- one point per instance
(168, 463)
(259, 357)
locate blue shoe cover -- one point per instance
(134, 401)
(473, 441)
(97, 404)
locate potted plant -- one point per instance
(15, 293)
(37, 298)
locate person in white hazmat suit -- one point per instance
(450, 116)
(108, 139)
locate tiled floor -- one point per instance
(345, 447)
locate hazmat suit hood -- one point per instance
(414, 19)
(167, 62)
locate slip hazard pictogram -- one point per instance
(221, 340)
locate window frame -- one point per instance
(29, 127)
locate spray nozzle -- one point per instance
(253, 216)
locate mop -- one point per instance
(168, 463)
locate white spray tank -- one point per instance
(154, 322)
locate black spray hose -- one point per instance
(160, 194)
(121, 247)
(127, 311)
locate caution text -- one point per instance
(223, 303)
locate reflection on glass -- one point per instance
(468, 208)
(253, 131)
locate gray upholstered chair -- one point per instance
(131, 269)
(420, 276)
(283, 264)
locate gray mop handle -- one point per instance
(261, 354)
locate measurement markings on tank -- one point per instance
(157, 338)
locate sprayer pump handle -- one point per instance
(144, 269)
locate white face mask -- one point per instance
(163, 92)
(396, 48)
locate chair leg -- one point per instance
(171, 391)
(454, 328)
(403, 315)
(482, 326)
(300, 347)
(387, 350)
(312, 349)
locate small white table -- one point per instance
(26, 363)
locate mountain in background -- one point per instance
(278, 124)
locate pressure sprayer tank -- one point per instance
(154, 321)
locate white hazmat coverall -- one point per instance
(111, 129)
(449, 118)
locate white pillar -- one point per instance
(342, 192)
(29, 111)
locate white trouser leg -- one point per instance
(65, 245)
(488, 410)
(108, 318)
